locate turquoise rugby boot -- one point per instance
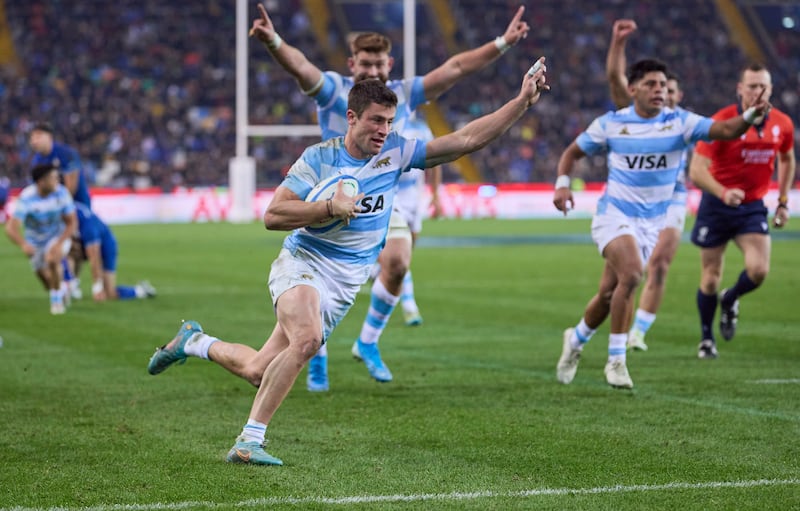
(174, 351)
(251, 453)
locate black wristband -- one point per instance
(782, 205)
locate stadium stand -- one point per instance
(147, 94)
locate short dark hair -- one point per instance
(367, 92)
(39, 171)
(43, 126)
(637, 70)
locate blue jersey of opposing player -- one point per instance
(645, 156)
(67, 161)
(359, 243)
(92, 231)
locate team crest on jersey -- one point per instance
(666, 127)
(383, 162)
(624, 131)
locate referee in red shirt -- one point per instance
(734, 176)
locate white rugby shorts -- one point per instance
(303, 268)
(611, 225)
(37, 259)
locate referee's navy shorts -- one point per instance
(717, 223)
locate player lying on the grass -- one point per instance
(99, 246)
(46, 213)
(315, 279)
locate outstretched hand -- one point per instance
(262, 27)
(535, 81)
(517, 29)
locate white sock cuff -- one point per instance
(379, 290)
(645, 316)
(198, 347)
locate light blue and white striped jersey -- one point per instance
(332, 102)
(359, 243)
(42, 216)
(644, 157)
(415, 128)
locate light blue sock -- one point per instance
(380, 310)
(643, 320)
(616, 346)
(407, 298)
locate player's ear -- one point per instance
(390, 63)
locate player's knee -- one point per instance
(657, 271)
(758, 274)
(254, 375)
(396, 267)
(630, 279)
(308, 346)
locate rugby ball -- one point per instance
(324, 190)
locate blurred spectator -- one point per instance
(146, 96)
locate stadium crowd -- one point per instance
(146, 95)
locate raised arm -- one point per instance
(307, 75)
(616, 62)
(483, 130)
(736, 126)
(463, 64)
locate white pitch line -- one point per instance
(455, 496)
(775, 381)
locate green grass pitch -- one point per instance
(473, 420)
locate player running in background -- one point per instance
(45, 212)
(371, 59)
(735, 175)
(100, 248)
(317, 275)
(669, 238)
(410, 205)
(645, 143)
